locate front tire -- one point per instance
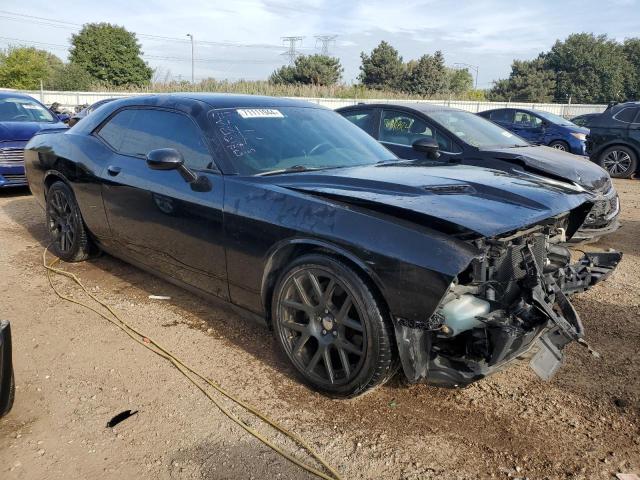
(69, 239)
(331, 327)
(560, 145)
(619, 161)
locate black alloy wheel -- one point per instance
(64, 222)
(619, 161)
(330, 326)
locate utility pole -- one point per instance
(193, 69)
(473, 67)
(325, 41)
(292, 51)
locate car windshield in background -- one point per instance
(476, 130)
(558, 120)
(23, 110)
(263, 140)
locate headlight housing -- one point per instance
(580, 136)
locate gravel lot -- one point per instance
(74, 371)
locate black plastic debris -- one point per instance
(122, 416)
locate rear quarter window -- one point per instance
(627, 115)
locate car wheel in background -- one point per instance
(560, 145)
(332, 327)
(619, 161)
(69, 239)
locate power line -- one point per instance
(325, 41)
(292, 51)
(51, 22)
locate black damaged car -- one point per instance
(462, 137)
(357, 260)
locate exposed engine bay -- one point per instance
(511, 302)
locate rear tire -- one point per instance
(332, 328)
(619, 161)
(69, 239)
(560, 145)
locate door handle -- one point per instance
(113, 170)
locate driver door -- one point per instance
(156, 218)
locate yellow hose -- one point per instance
(193, 375)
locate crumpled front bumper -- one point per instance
(602, 219)
(563, 326)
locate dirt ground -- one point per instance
(74, 372)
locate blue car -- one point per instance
(541, 128)
(21, 116)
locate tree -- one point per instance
(529, 81)
(631, 48)
(459, 80)
(309, 69)
(427, 76)
(109, 54)
(69, 76)
(588, 68)
(382, 69)
(25, 67)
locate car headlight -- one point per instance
(580, 136)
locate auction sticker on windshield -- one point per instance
(259, 113)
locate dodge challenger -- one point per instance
(360, 263)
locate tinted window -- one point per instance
(404, 129)
(365, 119)
(626, 115)
(504, 116)
(526, 120)
(23, 110)
(138, 131)
(261, 140)
(475, 130)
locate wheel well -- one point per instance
(50, 179)
(285, 255)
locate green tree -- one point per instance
(382, 69)
(109, 54)
(426, 76)
(459, 80)
(69, 76)
(529, 81)
(631, 48)
(588, 68)
(25, 67)
(310, 70)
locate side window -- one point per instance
(138, 131)
(627, 115)
(365, 119)
(502, 116)
(403, 128)
(527, 120)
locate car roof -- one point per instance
(421, 107)
(218, 100)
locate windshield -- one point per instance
(23, 110)
(260, 140)
(555, 119)
(476, 131)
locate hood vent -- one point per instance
(456, 189)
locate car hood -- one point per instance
(487, 202)
(560, 164)
(22, 131)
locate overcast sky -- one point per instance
(487, 33)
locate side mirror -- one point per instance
(170, 159)
(428, 146)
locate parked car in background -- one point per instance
(463, 137)
(76, 117)
(21, 116)
(540, 128)
(7, 380)
(584, 120)
(356, 259)
(614, 140)
(62, 114)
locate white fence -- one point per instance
(71, 99)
